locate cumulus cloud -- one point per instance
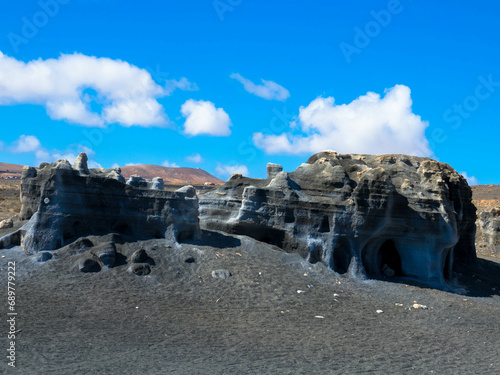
(182, 84)
(31, 144)
(166, 163)
(127, 94)
(370, 124)
(26, 143)
(203, 118)
(268, 89)
(132, 164)
(225, 170)
(471, 180)
(195, 159)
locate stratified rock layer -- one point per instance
(65, 202)
(390, 215)
(488, 231)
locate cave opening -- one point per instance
(389, 261)
(325, 225)
(316, 254)
(341, 256)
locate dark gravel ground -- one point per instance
(275, 314)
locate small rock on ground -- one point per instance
(221, 274)
(140, 269)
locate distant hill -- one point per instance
(173, 176)
(10, 171)
(6, 167)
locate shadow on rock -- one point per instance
(215, 239)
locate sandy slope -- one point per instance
(180, 320)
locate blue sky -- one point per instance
(230, 85)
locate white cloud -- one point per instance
(168, 164)
(195, 159)
(128, 95)
(268, 89)
(31, 144)
(1, 145)
(115, 165)
(132, 164)
(26, 143)
(203, 118)
(224, 170)
(370, 124)
(183, 84)
(471, 180)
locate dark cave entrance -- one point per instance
(388, 260)
(341, 256)
(316, 254)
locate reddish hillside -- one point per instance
(174, 176)
(4, 167)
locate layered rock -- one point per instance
(488, 231)
(390, 215)
(64, 202)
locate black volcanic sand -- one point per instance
(181, 320)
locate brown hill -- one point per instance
(486, 197)
(173, 176)
(6, 167)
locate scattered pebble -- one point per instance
(419, 306)
(380, 311)
(310, 286)
(319, 317)
(335, 295)
(221, 274)
(398, 304)
(300, 291)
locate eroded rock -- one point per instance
(63, 203)
(88, 264)
(408, 215)
(488, 231)
(140, 269)
(7, 223)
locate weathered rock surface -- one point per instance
(106, 253)
(139, 256)
(367, 214)
(63, 203)
(7, 223)
(88, 264)
(140, 269)
(488, 231)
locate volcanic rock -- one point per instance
(140, 269)
(221, 274)
(488, 231)
(106, 253)
(140, 256)
(63, 205)
(7, 223)
(273, 170)
(44, 256)
(357, 213)
(88, 264)
(157, 183)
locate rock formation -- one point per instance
(488, 231)
(383, 216)
(64, 202)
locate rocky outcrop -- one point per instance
(64, 202)
(382, 216)
(488, 232)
